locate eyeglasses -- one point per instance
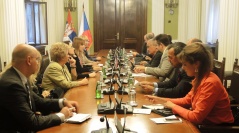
(38, 59)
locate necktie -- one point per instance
(179, 76)
(29, 96)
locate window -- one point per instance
(36, 21)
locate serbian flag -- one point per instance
(84, 28)
(69, 30)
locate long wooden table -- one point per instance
(85, 96)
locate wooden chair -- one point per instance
(219, 68)
(45, 62)
(228, 74)
(234, 88)
(234, 93)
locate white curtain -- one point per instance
(229, 32)
(189, 20)
(12, 27)
(55, 20)
(158, 16)
(43, 18)
(212, 20)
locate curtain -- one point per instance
(229, 32)
(189, 20)
(55, 20)
(157, 16)
(43, 18)
(212, 20)
(12, 27)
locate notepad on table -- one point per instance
(168, 119)
(141, 111)
(153, 106)
(78, 118)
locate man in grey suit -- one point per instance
(19, 104)
(165, 68)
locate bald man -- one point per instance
(19, 103)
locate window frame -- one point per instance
(35, 43)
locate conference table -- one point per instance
(85, 96)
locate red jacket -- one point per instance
(209, 104)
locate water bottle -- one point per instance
(101, 77)
(104, 72)
(129, 74)
(98, 90)
(132, 97)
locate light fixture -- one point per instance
(171, 3)
(70, 5)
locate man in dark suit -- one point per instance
(19, 104)
(179, 85)
(152, 48)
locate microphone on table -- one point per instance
(106, 121)
(103, 130)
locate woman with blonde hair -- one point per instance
(92, 58)
(57, 74)
(79, 66)
(79, 45)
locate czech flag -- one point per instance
(84, 29)
(69, 30)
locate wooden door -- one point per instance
(119, 23)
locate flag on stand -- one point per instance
(69, 30)
(84, 28)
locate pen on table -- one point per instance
(72, 109)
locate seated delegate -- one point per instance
(19, 103)
(179, 85)
(152, 48)
(207, 102)
(57, 74)
(164, 69)
(79, 45)
(79, 69)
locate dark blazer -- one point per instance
(155, 60)
(144, 48)
(92, 58)
(15, 110)
(178, 86)
(79, 68)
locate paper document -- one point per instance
(168, 119)
(141, 111)
(78, 118)
(140, 75)
(153, 106)
(100, 65)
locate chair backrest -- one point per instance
(234, 89)
(219, 68)
(235, 63)
(45, 62)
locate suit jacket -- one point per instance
(92, 58)
(144, 48)
(155, 60)
(15, 110)
(163, 70)
(178, 86)
(57, 76)
(79, 68)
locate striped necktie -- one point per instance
(29, 96)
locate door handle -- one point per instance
(117, 36)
